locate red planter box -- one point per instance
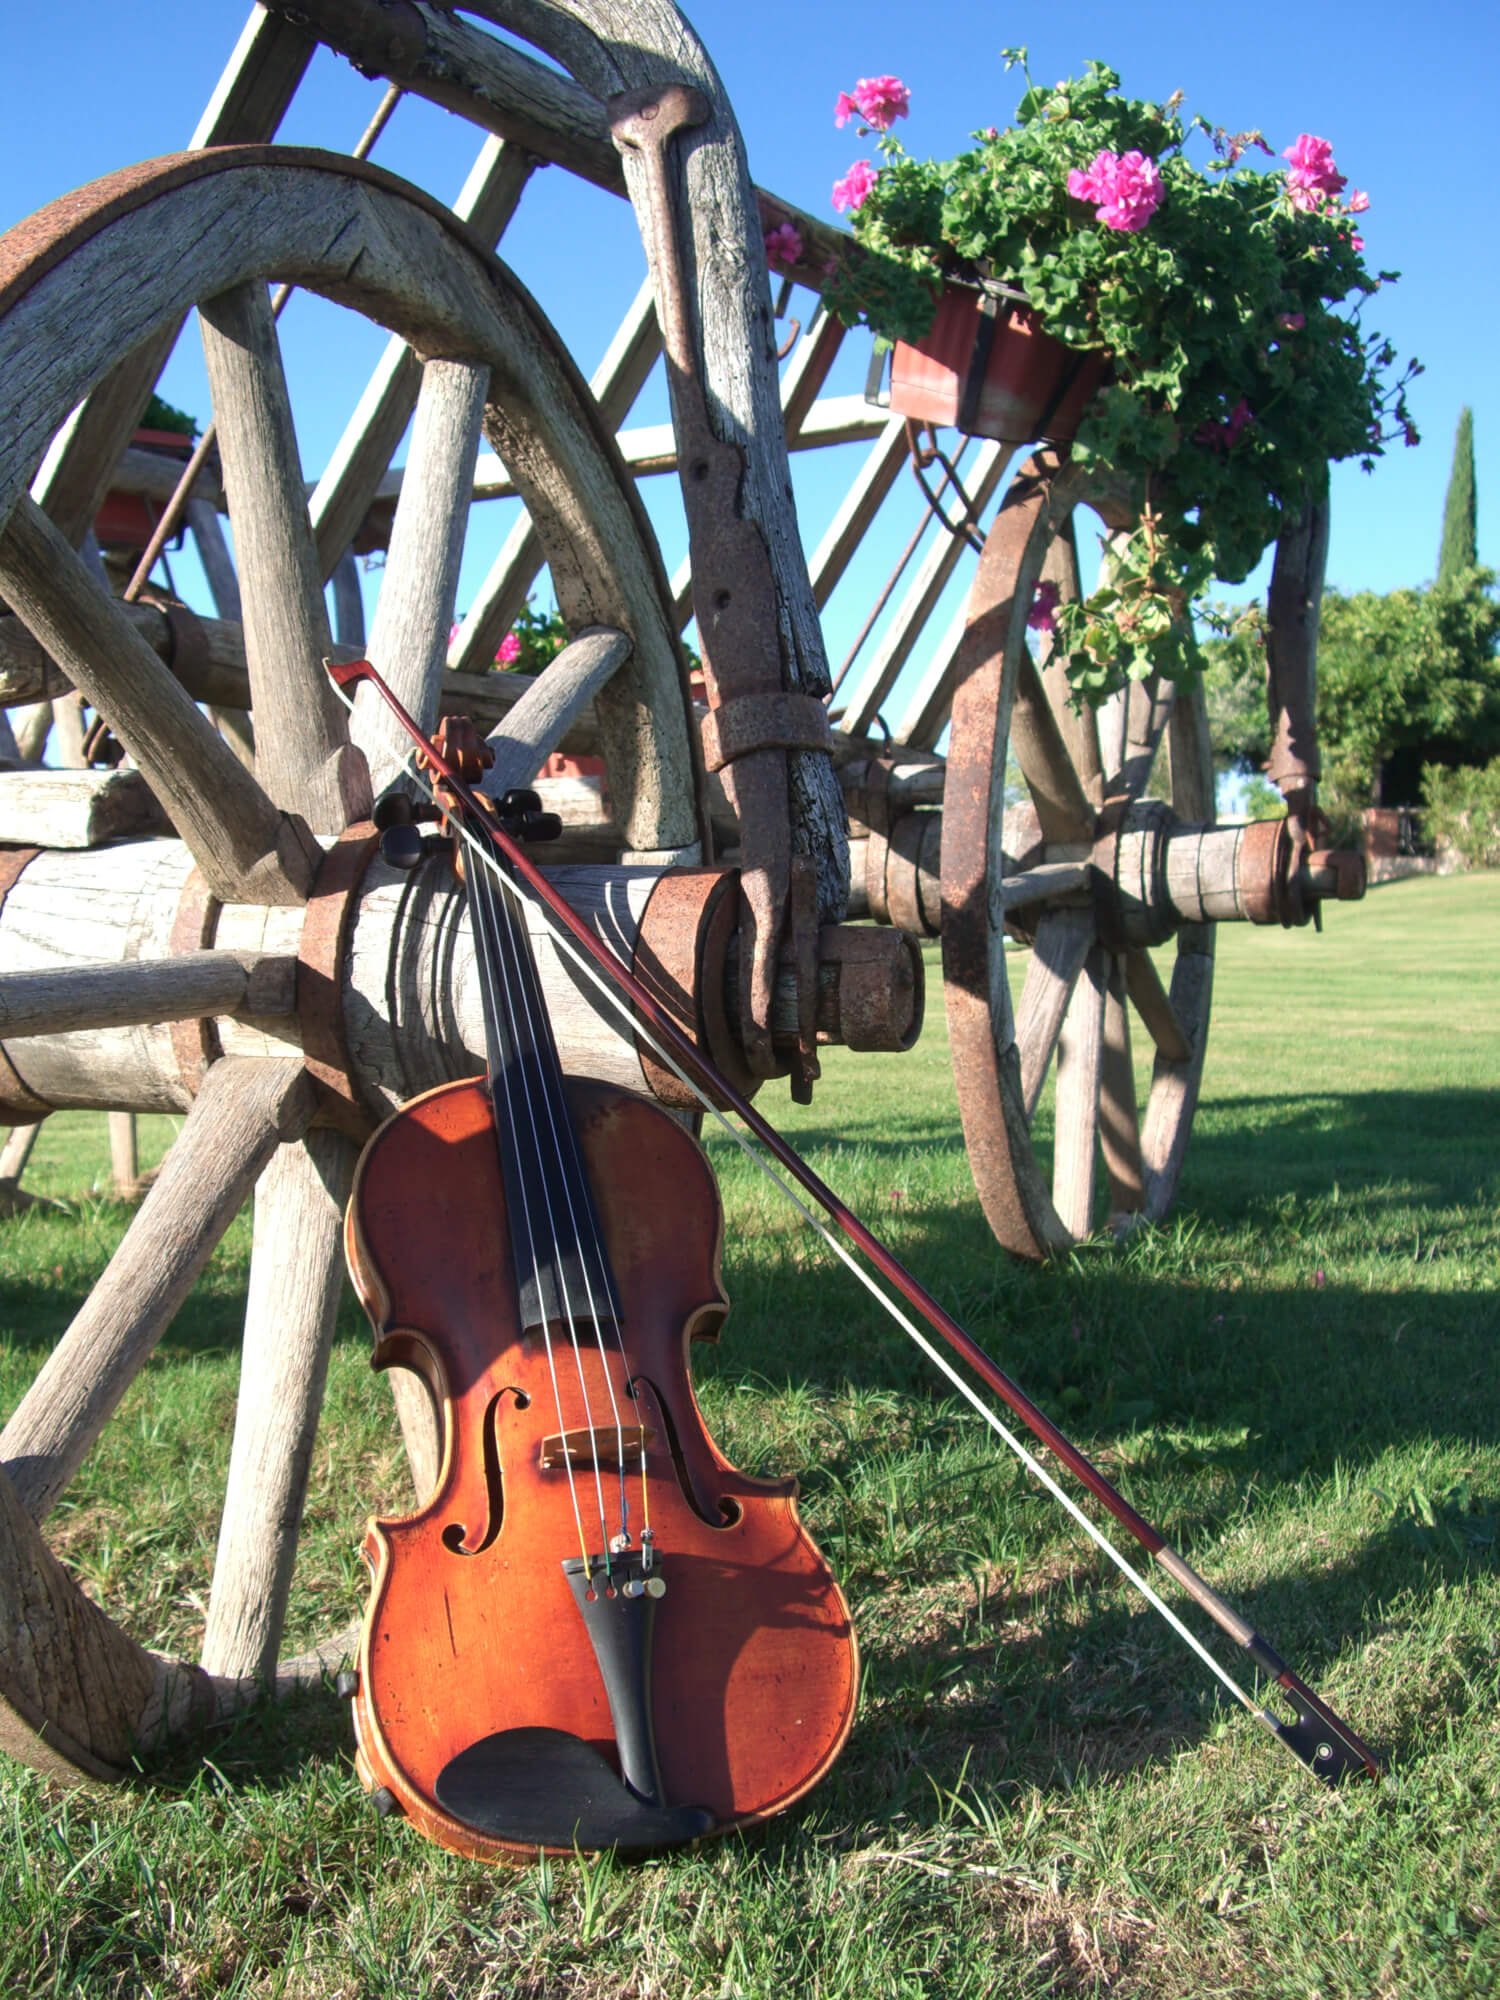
(987, 367)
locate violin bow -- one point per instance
(1320, 1739)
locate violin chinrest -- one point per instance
(545, 1788)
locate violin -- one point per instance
(595, 1632)
(1319, 1738)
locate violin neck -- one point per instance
(562, 1270)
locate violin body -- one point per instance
(513, 1696)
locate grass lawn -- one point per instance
(1044, 1792)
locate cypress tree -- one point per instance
(1460, 510)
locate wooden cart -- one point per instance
(267, 973)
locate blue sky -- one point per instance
(1406, 96)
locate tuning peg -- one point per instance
(518, 802)
(402, 846)
(520, 813)
(400, 809)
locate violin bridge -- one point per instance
(612, 1448)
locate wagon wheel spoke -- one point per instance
(296, 1279)
(1063, 940)
(1119, 1122)
(419, 590)
(1079, 728)
(247, 849)
(1080, 1057)
(1147, 710)
(238, 1119)
(1151, 1001)
(303, 754)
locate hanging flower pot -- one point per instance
(987, 367)
(126, 521)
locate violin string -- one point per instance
(522, 973)
(509, 956)
(1039, 1471)
(488, 977)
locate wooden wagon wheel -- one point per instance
(84, 285)
(1091, 872)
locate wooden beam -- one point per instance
(242, 1113)
(212, 669)
(248, 851)
(136, 990)
(76, 808)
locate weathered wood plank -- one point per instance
(535, 727)
(616, 383)
(247, 849)
(76, 808)
(243, 1112)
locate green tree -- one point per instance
(1407, 680)
(1460, 544)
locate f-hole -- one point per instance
(456, 1535)
(725, 1512)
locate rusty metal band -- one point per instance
(1261, 867)
(19, 1105)
(913, 844)
(681, 958)
(195, 1044)
(749, 722)
(321, 953)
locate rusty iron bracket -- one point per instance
(734, 596)
(967, 524)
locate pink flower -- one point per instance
(1356, 243)
(878, 100)
(853, 190)
(1358, 202)
(1039, 617)
(1312, 177)
(1291, 322)
(1222, 437)
(784, 245)
(510, 650)
(1127, 190)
